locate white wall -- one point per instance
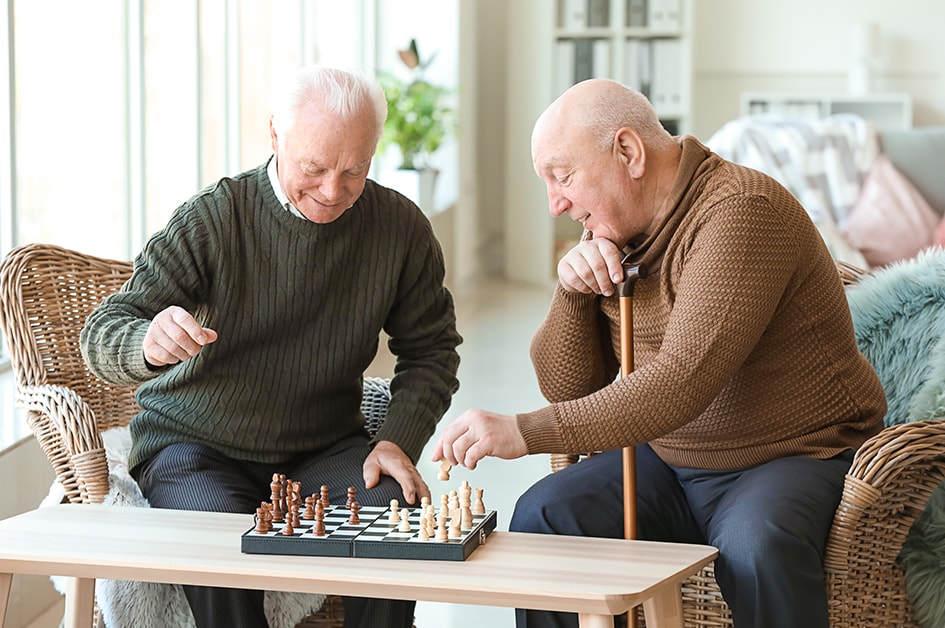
(803, 46)
(491, 55)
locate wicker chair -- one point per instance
(892, 478)
(46, 293)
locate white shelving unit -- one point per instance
(886, 110)
(643, 44)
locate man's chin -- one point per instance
(322, 214)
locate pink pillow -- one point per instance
(890, 220)
(939, 238)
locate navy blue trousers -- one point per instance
(194, 477)
(769, 522)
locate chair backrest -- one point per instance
(46, 293)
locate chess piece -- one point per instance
(293, 501)
(478, 507)
(354, 519)
(441, 534)
(276, 498)
(324, 497)
(351, 497)
(394, 516)
(309, 513)
(287, 529)
(404, 520)
(319, 528)
(262, 525)
(444, 474)
(466, 517)
(430, 520)
(282, 485)
(455, 532)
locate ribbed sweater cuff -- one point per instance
(574, 302)
(540, 431)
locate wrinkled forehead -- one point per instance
(555, 143)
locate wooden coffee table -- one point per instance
(596, 578)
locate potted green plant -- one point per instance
(420, 115)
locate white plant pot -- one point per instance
(417, 185)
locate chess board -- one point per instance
(374, 537)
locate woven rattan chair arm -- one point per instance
(69, 422)
(898, 448)
(850, 274)
(374, 401)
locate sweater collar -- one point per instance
(696, 159)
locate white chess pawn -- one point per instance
(394, 511)
(404, 520)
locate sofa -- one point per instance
(877, 197)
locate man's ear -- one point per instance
(630, 150)
(272, 136)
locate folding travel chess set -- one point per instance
(287, 524)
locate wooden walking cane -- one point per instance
(631, 275)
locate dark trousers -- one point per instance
(194, 477)
(769, 522)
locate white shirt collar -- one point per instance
(277, 188)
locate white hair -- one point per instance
(343, 92)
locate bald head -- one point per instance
(594, 110)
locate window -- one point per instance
(69, 125)
(140, 103)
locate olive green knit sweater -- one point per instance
(298, 307)
(743, 341)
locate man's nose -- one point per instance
(331, 188)
(557, 204)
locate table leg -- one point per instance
(664, 609)
(587, 620)
(6, 580)
(80, 602)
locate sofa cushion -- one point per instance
(920, 155)
(890, 220)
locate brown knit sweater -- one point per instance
(743, 342)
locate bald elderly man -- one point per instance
(749, 395)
